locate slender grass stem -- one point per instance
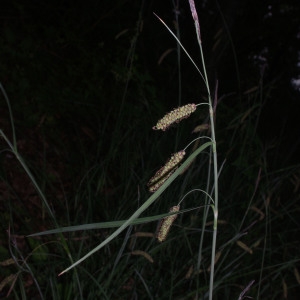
(214, 148)
(10, 116)
(14, 149)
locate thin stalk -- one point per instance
(11, 117)
(176, 13)
(205, 214)
(177, 27)
(214, 148)
(14, 149)
(21, 161)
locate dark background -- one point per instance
(87, 80)
(59, 58)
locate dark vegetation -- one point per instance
(86, 83)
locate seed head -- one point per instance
(166, 171)
(166, 224)
(153, 187)
(175, 116)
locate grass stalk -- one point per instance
(11, 118)
(214, 148)
(14, 149)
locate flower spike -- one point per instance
(166, 171)
(166, 224)
(175, 116)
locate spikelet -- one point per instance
(166, 171)
(7, 262)
(285, 289)
(166, 224)
(143, 253)
(175, 116)
(189, 272)
(296, 273)
(8, 280)
(154, 187)
(245, 247)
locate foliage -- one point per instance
(85, 91)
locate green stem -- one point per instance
(11, 118)
(214, 147)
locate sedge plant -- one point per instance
(167, 174)
(245, 255)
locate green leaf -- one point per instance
(148, 202)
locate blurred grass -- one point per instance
(93, 163)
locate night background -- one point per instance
(85, 82)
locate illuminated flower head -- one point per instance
(166, 224)
(166, 171)
(175, 116)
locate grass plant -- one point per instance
(102, 238)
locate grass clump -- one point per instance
(251, 256)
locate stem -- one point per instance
(14, 149)
(11, 118)
(214, 148)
